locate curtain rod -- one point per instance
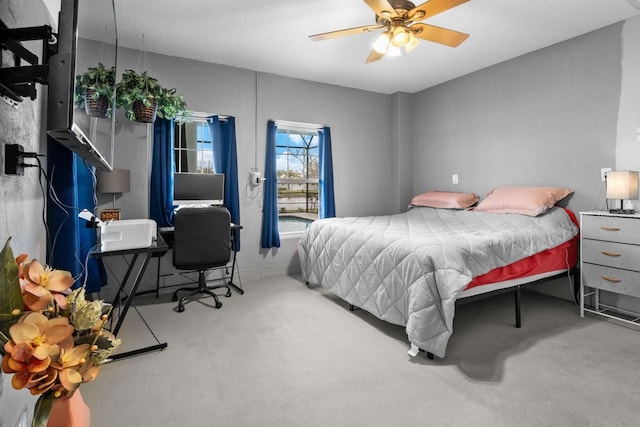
(205, 116)
(298, 125)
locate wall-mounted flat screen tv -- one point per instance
(87, 37)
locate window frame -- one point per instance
(179, 149)
(302, 130)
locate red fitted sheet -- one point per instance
(559, 258)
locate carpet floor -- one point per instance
(284, 354)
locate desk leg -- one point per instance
(160, 346)
(233, 270)
(127, 303)
(121, 288)
(132, 291)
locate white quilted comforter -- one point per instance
(408, 269)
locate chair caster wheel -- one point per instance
(180, 308)
(218, 304)
(228, 294)
(174, 298)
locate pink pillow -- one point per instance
(446, 200)
(531, 201)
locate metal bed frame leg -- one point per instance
(517, 301)
(429, 355)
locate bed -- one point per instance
(410, 268)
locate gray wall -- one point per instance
(360, 130)
(628, 146)
(21, 200)
(551, 117)
(546, 118)
(402, 151)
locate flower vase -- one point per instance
(69, 412)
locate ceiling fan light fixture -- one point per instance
(382, 44)
(400, 37)
(398, 21)
(393, 51)
(412, 43)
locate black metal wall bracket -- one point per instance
(19, 81)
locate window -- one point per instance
(297, 161)
(193, 147)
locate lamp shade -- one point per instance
(622, 185)
(115, 181)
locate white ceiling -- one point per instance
(272, 36)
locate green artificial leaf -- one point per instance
(42, 410)
(10, 295)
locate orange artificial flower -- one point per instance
(43, 285)
(34, 342)
(69, 363)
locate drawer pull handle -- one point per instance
(610, 228)
(607, 253)
(612, 279)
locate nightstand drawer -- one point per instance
(612, 229)
(612, 279)
(618, 255)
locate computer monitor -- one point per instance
(198, 189)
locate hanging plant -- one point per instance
(142, 97)
(171, 105)
(94, 90)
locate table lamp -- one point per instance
(622, 185)
(112, 182)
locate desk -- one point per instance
(167, 234)
(157, 247)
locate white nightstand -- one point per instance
(609, 261)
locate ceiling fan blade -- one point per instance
(345, 32)
(374, 56)
(431, 8)
(438, 35)
(382, 8)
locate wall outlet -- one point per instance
(12, 159)
(454, 178)
(603, 173)
(255, 178)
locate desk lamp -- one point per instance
(114, 182)
(622, 185)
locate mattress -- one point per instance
(409, 269)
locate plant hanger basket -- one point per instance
(94, 90)
(95, 105)
(144, 113)
(144, 99)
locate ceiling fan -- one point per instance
(398, 19)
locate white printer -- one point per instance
(127, 234)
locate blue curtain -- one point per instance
(270, 237)
(327, 208)
(162, 167)
(70, 240)
(225, 160)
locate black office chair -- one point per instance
(202, 241)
